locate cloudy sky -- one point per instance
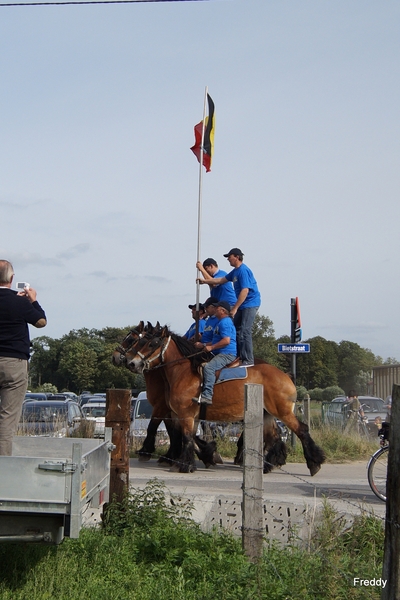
(99, 190)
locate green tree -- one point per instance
(319, 367)
(78, 363)
(353, 361)
(264, 343)
(44, 361)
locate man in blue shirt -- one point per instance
(210, 271)
(191, 332)
(210, 322)
(248, 300)
(223, 346)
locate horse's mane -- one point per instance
(188, 350)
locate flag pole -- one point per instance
(199, 211)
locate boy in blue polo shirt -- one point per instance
(248, 300)
(223, 346)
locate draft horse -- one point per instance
(157, 388)
(166, 351)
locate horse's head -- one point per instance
(119, 354)
(148, 352)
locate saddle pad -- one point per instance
(232, 373)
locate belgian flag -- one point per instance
(208, 145)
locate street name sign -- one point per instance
(293, 348)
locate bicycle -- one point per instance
(357, 421)
(378, 465)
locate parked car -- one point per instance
(336, 412)
(90, 399)
(35, 396)
(96, 412)
(51, 418)
(141, 419)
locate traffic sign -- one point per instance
(293, 348)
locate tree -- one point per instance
(44, 361)
(353, 361)
(264, 343)
(319, 367)
(78, 363)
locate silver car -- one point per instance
(141, 418)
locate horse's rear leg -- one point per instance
(313, 454)
(175, 443)
(207, 452)
(149, 444)
(186, 461)
(274, 447)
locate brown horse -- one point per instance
(175, 356)
(157, 388)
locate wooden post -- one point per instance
(253, 459)
(118, 404)
(307, 410)
(391, 557)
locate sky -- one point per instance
(99, 189)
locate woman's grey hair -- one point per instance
(6, 272)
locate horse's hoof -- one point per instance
(164, 462)
(175, 469)
(217, 458)
(314, 469)
(144, 457)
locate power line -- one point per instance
(64, 2)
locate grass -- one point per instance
(339, 447)
(150, 549)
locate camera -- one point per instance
(21, 285)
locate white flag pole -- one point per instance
(199, 209)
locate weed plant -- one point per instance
(150, 549)
(339, 447)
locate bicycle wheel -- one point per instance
(377, 472)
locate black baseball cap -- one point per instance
(223, 304)
(210, 301)
(210, 261)
(235, 251)
(201, 306)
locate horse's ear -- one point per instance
(158, 326)
(141, 326)
(150, 327)
(164, 331)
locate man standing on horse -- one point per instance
(211, 272)
(223, 346)
(248, 300)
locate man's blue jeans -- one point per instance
(243, 322)
(216, 363)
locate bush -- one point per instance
(48, 388)
(149, 549)
(301, 392)
(330, 393)
(316, 394)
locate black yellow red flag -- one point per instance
(208, 141)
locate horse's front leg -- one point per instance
(186, 461)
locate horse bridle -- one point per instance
(139, 335)
(147, 361)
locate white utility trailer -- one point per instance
(48, 483)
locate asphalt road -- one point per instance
(345, 485)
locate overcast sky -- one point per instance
(99, 189)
